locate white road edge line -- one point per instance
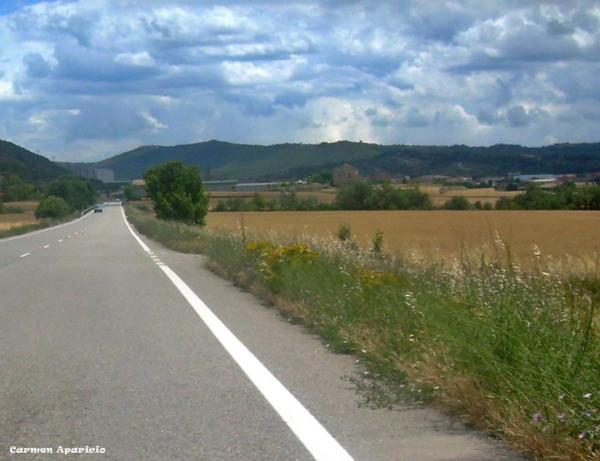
(24, 255)
(29, 234)
(303, 424)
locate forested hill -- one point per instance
(222, 160)
(17, 161)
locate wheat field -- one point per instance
(559, 235)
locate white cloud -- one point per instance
(142, 59)
(96, 76)
(153, 122)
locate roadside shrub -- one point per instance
(344, 232)
(1, 207)
(377, 246)
(52, 207)
(177, 192)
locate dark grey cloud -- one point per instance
(87, 78)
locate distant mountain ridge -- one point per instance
(224, 160)
(15, 160)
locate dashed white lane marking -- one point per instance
(24, 255)
(60, 240)
(46, 246)
(303, 424)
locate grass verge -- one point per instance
(25, 228)
(515, 353)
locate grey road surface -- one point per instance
(99, 348)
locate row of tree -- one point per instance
(364, 196)
(564, 197)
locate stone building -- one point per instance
(345, 174)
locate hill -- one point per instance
(17, 161)
(223, 160)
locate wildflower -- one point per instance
(499, 240)
(561, 397)
(582, 435)
(537, 417)
(562, 417)
(587, 396)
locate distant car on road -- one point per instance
(98, 208)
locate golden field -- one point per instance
(439, 234)
(439, 194)
(10, 220)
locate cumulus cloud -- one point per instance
(84, 79)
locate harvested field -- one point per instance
(437, 234)
(11, 220)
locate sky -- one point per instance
(82, 80)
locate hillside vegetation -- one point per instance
(17, 161)
(222, 160)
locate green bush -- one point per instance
(457, 203)
(344, 232)
(52, 207)
(177, 192)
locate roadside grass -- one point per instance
(19, 218)
(514, 352)
(18, 228)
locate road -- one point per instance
(109, 340)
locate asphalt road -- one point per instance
(149, 356)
